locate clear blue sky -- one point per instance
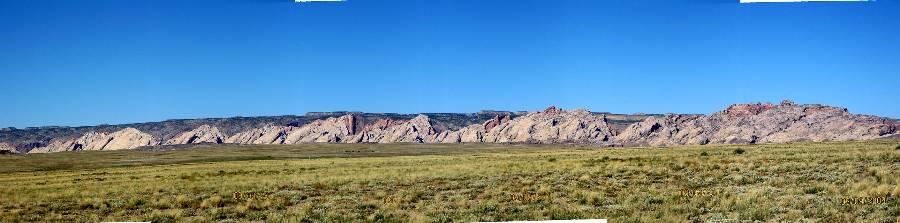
(119, 61)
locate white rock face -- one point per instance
(266, 135)
(668, 130)
(471, 133)
(418, 129)
(6, 148)
(328, 130)
(552, 125)
(202, 134)
(127, 138)
(738, 124)
(758, 123)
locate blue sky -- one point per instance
(115, 61)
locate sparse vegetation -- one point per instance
(827, 182)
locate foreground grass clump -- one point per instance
(826, 182)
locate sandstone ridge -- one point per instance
(759, 123)
(128, 138)
(737, 124)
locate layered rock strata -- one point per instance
(737, 124)
(127, 138)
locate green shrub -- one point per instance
(135, 203)
(739, 151)
(552, 159)
(704, 153)
(183, 201)
(161, 218)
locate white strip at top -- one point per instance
(755, 1)
(558, 221)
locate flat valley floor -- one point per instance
(816, 182)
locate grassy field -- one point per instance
(819, 182)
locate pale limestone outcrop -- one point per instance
(758, 123)
(418, 129)
(269, 134)
(738, 124)
(668, 130)
(552, 125)
(202, 134)
(6, 148)
(328, 130)
(471, 133)
(127, 138)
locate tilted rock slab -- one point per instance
(328, 130)
(127, 138)
(202, 134)
(738, 124)
(269, 134)
(471, 133)
(552, 125)
(418, 129)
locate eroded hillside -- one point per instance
(737, 124)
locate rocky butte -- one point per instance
(737, 124)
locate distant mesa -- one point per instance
(736, 124)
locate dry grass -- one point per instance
(828, 182)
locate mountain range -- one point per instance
(737, 124)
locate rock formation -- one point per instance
(269, 134)
(758, 123)
(668, 130)
(418, 129)
(328, 130)
(202, 134)
(6, 148)
(472, 133)
(552, 125)
(128, 138)
(737, 124)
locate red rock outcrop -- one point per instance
(744, 110)
(495, 122)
